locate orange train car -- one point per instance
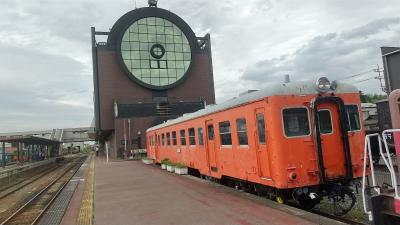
(301, 140)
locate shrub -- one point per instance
(165, 161)
(180, 165)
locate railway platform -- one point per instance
(13, 169)
(130, 192)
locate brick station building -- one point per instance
(152, 68)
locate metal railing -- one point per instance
(385, 155)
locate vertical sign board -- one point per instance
(391, 64)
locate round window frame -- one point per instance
(123, 24)
(153, 54)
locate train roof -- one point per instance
(292, 88)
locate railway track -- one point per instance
(11, 188)
(30, 210)
(337, 218)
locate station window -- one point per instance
(210, 129)
(295, 122)
(192, 137)
(261, 128)
(201, 135)
(163, 139)
(353, 117)
(183, 137)
(174, 137)
(158, 141)
(325, 121)
(225, 133)
(241, 131)
(168, 139)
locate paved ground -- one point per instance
(133, 193)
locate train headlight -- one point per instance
(323, 84)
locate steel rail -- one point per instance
(337, 218)
(40, 193)
(56, 195)
(37, 177)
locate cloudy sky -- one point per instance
(45, 48)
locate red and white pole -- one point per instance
(394, 104)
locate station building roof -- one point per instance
(280, 89)
(28, 139)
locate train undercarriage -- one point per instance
(341, 195)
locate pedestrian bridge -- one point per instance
(65, 135)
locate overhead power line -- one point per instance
(357, 75)
(359, 81)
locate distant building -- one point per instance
(152, 68)
(391, 65)
(370, 116)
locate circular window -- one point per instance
(156, 52)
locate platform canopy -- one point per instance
(29, 140)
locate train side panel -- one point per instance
(278, 161)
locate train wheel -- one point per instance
(343, 202)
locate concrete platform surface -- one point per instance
(129, 192)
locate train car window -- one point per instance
(225, 133)
(295, 122)
(163, 139)
(325, 121)
(210, 129)
(192, 138)
(201, 135)
(353, 117)
(261, 128)
(183, 137)
(174, 137)
(168, 138)
(241, 131)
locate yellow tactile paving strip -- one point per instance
(85, 216)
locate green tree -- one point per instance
(371, 98)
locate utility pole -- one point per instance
(380, 78)
(125, 136)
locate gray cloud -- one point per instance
(45, 51)
(38, 89)
(334, 55)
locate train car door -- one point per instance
(332, 147)
(261, 144)
(155, 146)
(210, 137)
